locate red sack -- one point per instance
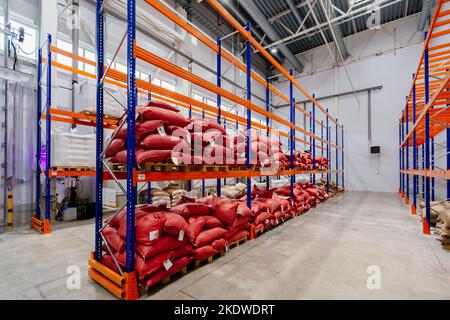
(208, 236)
(212, 222)
(156, 141)
(241, 223)
(162, 105)
(143, 156)
(262, 192)
(204, 252)
(177, 265)
(238, 235)
(175, 225)
(120, 218)
(262, 217)
(278, 215)
(149, 227)
(225, 211)
(243, 210)
(114, 147)
(144, 128)
(165, 243)
(190, 209)
(108, 261)
(172, 117)
(113, 238)
(273, 205)
(219, 244)
(146, 267)
(195, 226)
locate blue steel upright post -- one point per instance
(427, 221)
(99, 132)
(321, 142)
(313, 139)
(399, 158)
(328, 152)
(38, 135)
(310, 142)
(407, 155)
(342, 155)
(267, 122)
(149, 185)
(414, 145)
(448, 161)
(337, 156)
(219, 101)
(48, 128)
(403, 154)
(291, 132)
(249, 113)
(130, 275)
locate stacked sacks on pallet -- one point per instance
(211, 144)
(235, 216)
(205, 231)
(264, 151)
(321, 163)
(303, 160)
(162, 245)
(436, 207)
(159, 129)
(443, 223)
(160, 197)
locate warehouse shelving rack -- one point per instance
(41, 222)
(124, 285)
(425, 116)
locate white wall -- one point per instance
(373, 62)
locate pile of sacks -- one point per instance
(443, 224)
(210, 143)
(234, 191)
(436, 208)
(161, 197)
(269, 208)
(321, 163)
(264, 151)
(159, 129)
(303, 160)
(167, 240)
(162, 245)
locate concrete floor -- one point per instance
(323, 254)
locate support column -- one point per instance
(414, 145)
(427, 219)
(249, 114)
(99, 133)
(48, 134)
(219, 102)
(313, 139)
(291, 132)
(407, 155)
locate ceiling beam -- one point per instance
(335, 29)
(255, 13)
(424, 14)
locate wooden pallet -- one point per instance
(94, 114)
(237, 243)
(72, 168)
(169, 279)
(198, 263)
(170, 167)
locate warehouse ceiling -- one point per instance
(289, 27)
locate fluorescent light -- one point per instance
(274, 50)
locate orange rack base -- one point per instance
(42, 226)
(123, 287)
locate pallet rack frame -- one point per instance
(427, 108)
(124, 285)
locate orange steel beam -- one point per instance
(247, 35)
(442, 174)
(71, 55)
(56, 173)
(425, 45)
(121, 79)
(212, 45)
(198, 175)
(182, 73)
(428, 107)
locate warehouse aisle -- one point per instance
(323, 254)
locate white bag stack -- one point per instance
(73, 149)
(86, 95)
